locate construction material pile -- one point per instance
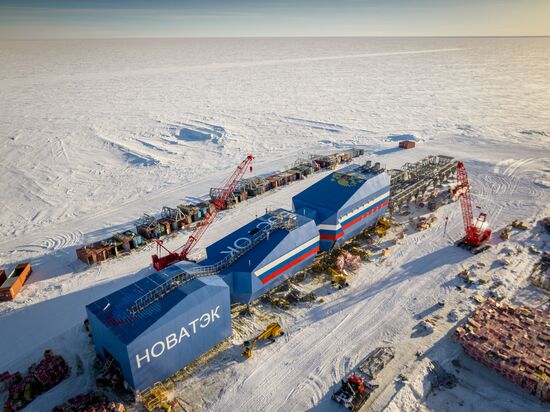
(514, 341)
(347, 261)
(376, 361)
(425, 222)
(42, 376)
(541, 272)
(90, 402)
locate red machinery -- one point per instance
(476, 232)
(161, 262)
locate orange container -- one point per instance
(15, 281)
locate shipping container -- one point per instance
(345, 202)
(133, 239)
(95, 252)
(170, 332)
(15, 281)
(167, 225)
(269, 250)
(2, 276)
(407, 144)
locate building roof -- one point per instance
(251, 259)
(113, 310)
(337, 189)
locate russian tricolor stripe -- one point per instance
(288, 260)
(335, 232)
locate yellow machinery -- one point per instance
(339, 280)
(519, 225)
(505, 234)
(156, 399)
(273, 331)
(362, 253)
(382, 226)
(279, 302)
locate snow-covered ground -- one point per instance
(95, 133)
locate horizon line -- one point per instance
(276, 37)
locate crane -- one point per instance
(161, 262)
(476, 232)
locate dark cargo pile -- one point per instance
(42, 376)
(90, 402)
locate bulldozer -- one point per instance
(505, 234)
(518, 224)
(382, 227)
(273, 331)
(339, 280)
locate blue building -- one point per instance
(345, 202)
(167, 334)
(266, 251)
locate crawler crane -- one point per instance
(477, 232)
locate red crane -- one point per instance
(476, 232)
(161, 262)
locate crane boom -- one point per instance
(466, 198)
(218, 203)
(478, 231)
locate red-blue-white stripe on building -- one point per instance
(288, 260)
(335, 232)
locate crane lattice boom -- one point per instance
(476, 232)
(218, 203)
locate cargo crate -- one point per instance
(15, 281)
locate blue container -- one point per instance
(270, 262)
(137, 240)
(168, 334)
(344, 203)
(203, 209)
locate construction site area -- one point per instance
(285, 259)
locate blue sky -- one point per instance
(227, 18)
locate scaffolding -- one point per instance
(414, 179)
(173, 214)
(148, 227)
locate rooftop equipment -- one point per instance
(161, 262)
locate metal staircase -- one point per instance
(284, 221)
